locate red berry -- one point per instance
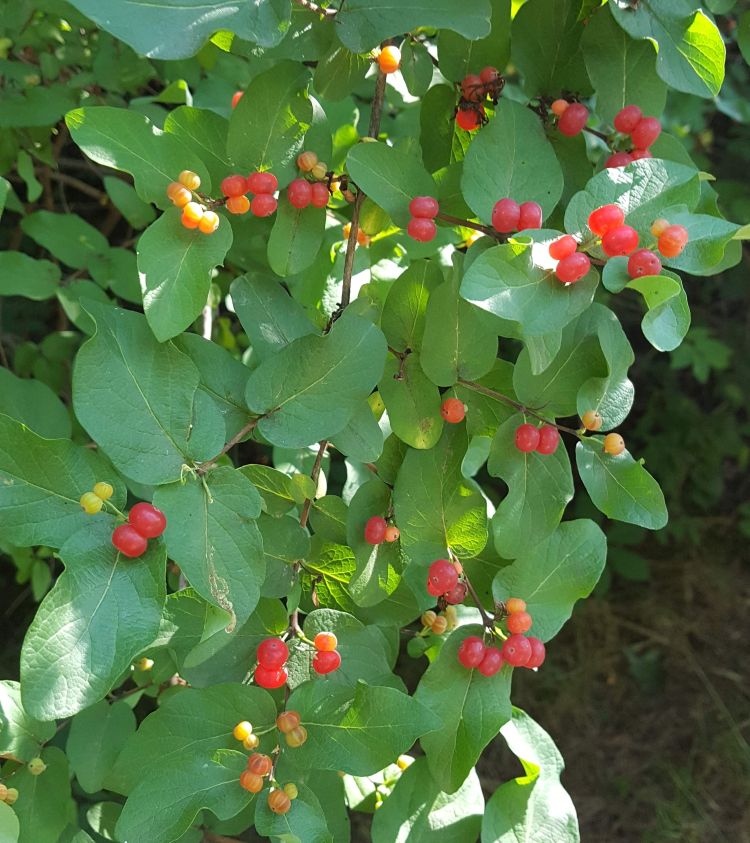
(603, 219)
(269, 678)
(326, 661)
(673, 240)
(527, 438)
(637, 154)
(619, 241)
(319, 195)
(491, 662)
(263, 205)
(424, 207)
(573, 119)
(453, 410)
(643, 262)
(471, 652)
(129, 541)
(645, 132)
(272, 653)
(516, 650)
(421, 229)
(236, 97)
(234, 185)
(441, 577)
(506, 215)
(457, 594)
(149, 521)
(549, 437)
(375, 530)
(562, 247)
(472, 88)
(470, 118)
(262, 183)
(490, 76)
(538, 652)
(573, 268)
(530, 217)
(618, 159)
(519, 622)
(299, 193)
(627, 119)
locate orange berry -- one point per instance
(362, 238)
(238, 204)
(392, 533)
(287, 721)
(346, 231)
(296, 737)
(209, 222)
(558, 107)
(614, 444)
(515, 604)
(325, 641)
(251, 781)
(181, 196)
(519, 622)
(259, 764)
(307, 160)
(242, 730)
(389, 59)
(188, 222)
(659, 226)
(279, 802)
(189, 179)
(236, 97)
(173, 188)
(439, 625)
(193, 211)
(592, 420)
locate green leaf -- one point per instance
(21, 735)
(21, 275)
(304, 822)
(539, 488)
(101, 613)
(44, 806)
(412, 401)
(66, 236)
(362, 438)
(211, 529)
(667, 319)
(9, 827)
(554, 574)
(442, 141)
(339, 72)
(296, 238)
(118, 270)
(284, 543)
(690, 52)
(35, 404)
(311, 388)
(123, 196)
(36, 106)
(204, 132)
(486, 413)
(416, 68)
(363, 24)
(97, 736)
(328, 517)
(472, 708)
(460, 56)
(515, 134)
(275, 487)
(75, 298)
(404, 311)
(709, 237)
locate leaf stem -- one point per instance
(477, 226)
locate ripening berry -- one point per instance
(189, 179)
(516, 650)
(193, 211)
(637, 154)
(235, 185)
(614, 444)
(389, 59)
(291, 790)
(659, 226)
(174, 188)
(506, 215)
(272, 653)
(129, 541)
(562, 247)
(421, 230)
(619, 241)
(182, 197)
(643, 262)
(262, 183)
(424, 207)
(287, 720)
(3, 792)
(558, 107)
(208, 223)
(103, 490)
(527, 438)
(307, 160)
(618, 159)
(490, 76)
(573, 119)
(270, 678)
(263, 205)
(549, 438)
(237, 204)
(471, 652)
(375, 530)
(320, 170)
(392, 534)
(149, 521)
(605, 218)
(453, 410)
(144, 665)
(472, 88)
(251, 742)
(236, 97)
(259, 764)
(515, 604)
(491, 662)
(519, 622)
(279, 802)
(251, 781)
(592, 420)
(439, 625)
(36, 766)
(441, 577)
(470, 118)
(11, 797)
(627, 119)
(91, 503)
(673, 240)
(457, 594)
(319, 195)
(299, 193)
(645, 132)
(573, 268)
(428, 618)
(296, 737)
(325, 641)
(538, 652)
(242, 730)
(530, 217)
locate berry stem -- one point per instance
(250, 426)
(477, 226)
(597, 134)
(116, 510)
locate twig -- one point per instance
(488, 621)
(80, 186)
(314, 7)
(203, 468)
(485, 229)
(600, 135)
(314, 474)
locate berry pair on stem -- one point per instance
(443, 581)
(643, 132)
(258, 767)
(671, 239)
(378, 530)
(289, 723)
(613, 443)
(475, 88)
(243, 732)
(572, 265)
(92, 502)
(327, 658)
(145, 522)
(543, 440)
(571, 117)
(302, 193)
(262, 185)
(308, 162)
(508, 216)
(440, 623)
(423, 210)
(9, 795)
(272, 655)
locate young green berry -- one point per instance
(144, 664)
(392, 534)
(505, 216)
(441, 577)
(527, 438)
(471, 652)
(538, 653)
(263, 205)
(251, 782)
(389, 59)
(129, 541)
(549, 438)
(519, 622)
(453, 410)
(451, 616)
(592, 420)
(296, 737)
(272, 653)
(320, 170)
(149, 521)
(251, 742)
(573, 268)
(103, 490)
(562, 247)
(470, 119)
(307, 160)
(516, 650)
(422, 230)
(573, 119)
(36, 766)
(424, 207)
(262, 183)
(291, 790)
(91, 503)
(375, 530)
(259, 764)
(189, 179)
(242, 730)
(515, 604)
(287, 721)
(673, 240)
(614, 444)
(643, 262)
(457, 594)
(270, 678)
(491, 662)
(645, 132)
(627, 119)
(325, 641)
(605, 218)
(618, 159)
(619, 241)
(3, 792)
(530, 216)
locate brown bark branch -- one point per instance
(238, 437)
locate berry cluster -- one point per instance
(543, 440)
(308, 162)
(423, 210)
(613, 444)
(378, 530)
(290, 725)
(262, 185)
(440, 623)
(572, 265)
(443, 581)
(643, 133)
(389, 59)
(475, 88)
(243, 732)
(258, 767)
(327, 658)
(453, 410)
(272, 655)
(194, 215)
(508, 215)
(9, 795)
(302, 193)
(671, 239)
(571, 117)
(145, 522)
(92, 502)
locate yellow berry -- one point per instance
(404, 761)
(181, 196)
(208, 223)
(592, 420)
(103, 491)
(451, 615)
(251, 742)
(440, 624)
(144, 664)
(3, 792)
(91, 503)
(428, 618)
(296, 737)
(189, 179)
(659, 226)
(614, 444)
(11, 796)
(242, 730)
(193, 212)
(291, 790)
(319, 170)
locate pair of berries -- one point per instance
(308, 162)
(475, 88)
(9, 795)
(543, 440)
(443, 581)
(440, 623)
(572, 265)
(671, 239)
(378, 530)
(453, 410)
(262, 185)
(290, 725)
(571, 117)
(423, 210)
(258, 767)
(327, 658)
(508, 215)
(145, 522)
(272, 655)
(302, 193)
(643, 131)
(243, 732)
(362, 238)
(389, 59)
(92, 502)
(280, 799)
(608, 222)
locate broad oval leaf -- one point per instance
(21, 735)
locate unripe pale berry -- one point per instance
(129, 541)
(645, 132)
(441, 577)
(605, 218)
(439, 625)
(242, 730)
(573, 119)
(37, 766)
(325, 641)
(180, 198)
(519, 622)
(272, 653)
(389, 59)
(262, 183)
(515, 604)
(428, 618)
(673, 240)
(208, 223)
(307, 160)
(375, 530)
(392, 533)
(592, 420)
(451, 616)
(614, 444)
(235, 185)
(558, 107)
(627, 119)
(251, 742)
(619, 241)
(471, 652)
(299, 193)
(538, 653)
(11, 797)
(296, 737)
(3, 792)
(279, 802)
(319, 195)
(149, 521)
(269, 678)
(291, 790)
(425, 207)
(263, 205)
(659, 226)
(618, 159)
(527, 438)
(259, 764)
(421, 229)
(237, 204)
(91, 503)
(251, 782)
(453, 410)
(516, 650)
(549, 438)
(470, 118)
(472, 88)
(506, 215)
(236, 97)
(643, 262)
(530, 216)
(287, 720)
(320, 170)
(491, 662)
(573, 268)
(457, 594)
(145, 664)
(562, 247)
(189, 179)
(103, 490)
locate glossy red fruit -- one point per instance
(472, 88)
(549, 438)
(573, 119)
(530, 216)
(457, 594)
(619, 241)
(326, 661)
(673, 240)
(149, 521)
(319, 195)
(506, 215)
(491, 662)
(471, 652)
(421, 229)
(538, 653)
(470, 118)
(272, 653)
(453, 410)
(269, 678)
(490, 76)
(129, 541)
(627, 119)
(375, 530)
(637, 154)
(573, 268)
(645, 132)
(424, 207)
(604, 218)
(441, 577)
(618, 159)
(643, 262)
(516, 650)
(262, 183)
(236, 97)
(263, 205)
(527, 438)
(299, 193)
(562, 247)
(234, 185)
(519, 622)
